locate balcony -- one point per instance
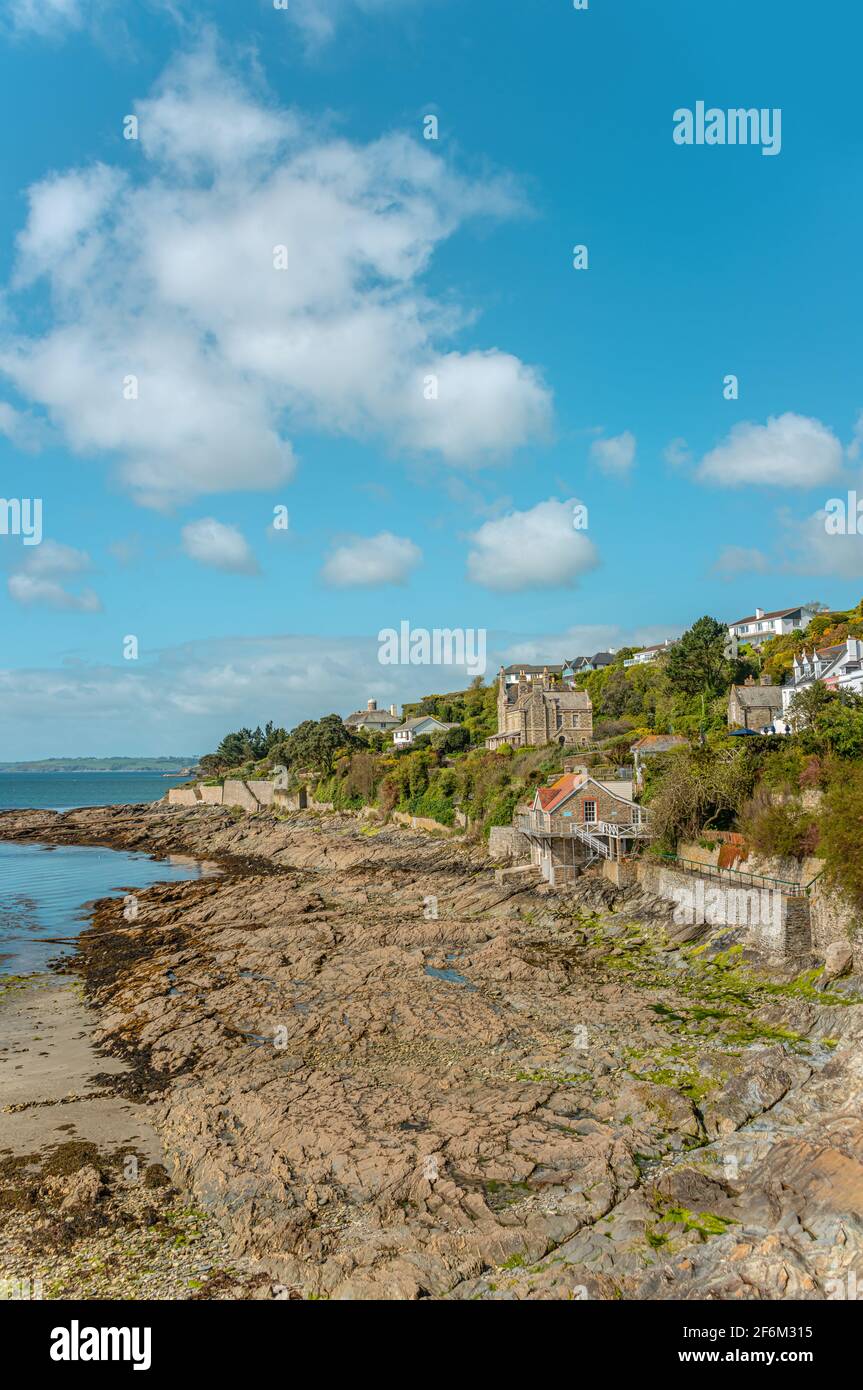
(539, 823)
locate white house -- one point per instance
(839, 667)
(512, 674)
(760, 626)
(404, 736)
(651, 653)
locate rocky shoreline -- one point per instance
(385, 1075)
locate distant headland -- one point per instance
(168, 766)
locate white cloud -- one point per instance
(45, 593)
(789, 451)
(319, 19)
(585, 640)
(52, 560)
(369, 562)
(616, 455)
(184, 699)
(221, 547)
(809, 548)
(21, 428)
(46, 17)
(678, 453)
(536, 549)
(169, 278)
(738, 559)
(37, 582)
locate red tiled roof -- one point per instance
(562, 788)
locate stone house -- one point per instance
(752, 706)
(373, 719)
(541, 710)
(578, 820)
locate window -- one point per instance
(590, 812)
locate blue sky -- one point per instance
(408, 259)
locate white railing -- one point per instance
(582, 833)
(630, 831)
(539, 823)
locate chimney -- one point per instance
(372, 704)
(394, 711)
(749, 681)
(759, 612)
(766, 680)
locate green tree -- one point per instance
(236, 748)
(807, 705)
(698, 663)
(839, 726)
(314, 744)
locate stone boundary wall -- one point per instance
(778, 925)
(421, 823)
(249, 796)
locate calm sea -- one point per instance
(43, 890)
(59, 791)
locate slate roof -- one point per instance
(373, 716)
(658, 743)
(754, 696)
(532, 670)
(778, 613)
(423, 719)
(565, 699)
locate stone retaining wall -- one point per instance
(505, 842)
(834, 919)
(184, 796)
(775, 924)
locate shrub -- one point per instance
(778, 829)
(691, 789)
(842, 833)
